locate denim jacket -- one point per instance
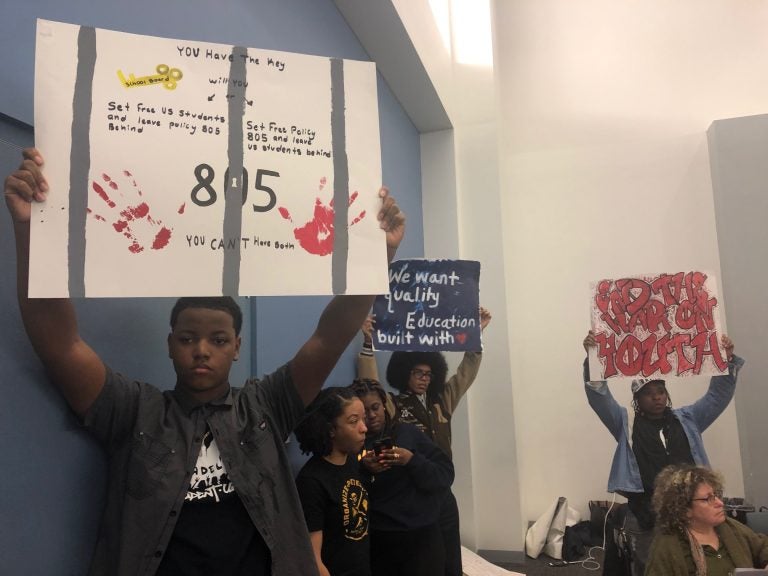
(695, 418)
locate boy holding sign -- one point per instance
(199, 482)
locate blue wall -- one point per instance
(53, 481)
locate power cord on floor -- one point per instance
(591, 562)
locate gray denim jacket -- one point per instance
(152, 440)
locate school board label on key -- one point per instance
(179, 167)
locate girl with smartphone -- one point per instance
(410, 477)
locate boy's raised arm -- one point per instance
(51, 323)
(343, 316)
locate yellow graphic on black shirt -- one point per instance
(354, 503)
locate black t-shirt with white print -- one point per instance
(214, 536)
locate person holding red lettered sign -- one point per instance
(656, 437)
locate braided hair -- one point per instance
(314, 431)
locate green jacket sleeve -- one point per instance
(747, 548)
(669, 556)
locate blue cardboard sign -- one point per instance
(432, 305)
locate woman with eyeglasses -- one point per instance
(427, 397)
(694, 536)
(410, 476)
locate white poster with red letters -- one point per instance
(651, 326)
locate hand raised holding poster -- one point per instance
(179, 167)
(432, 305)
(656, 325)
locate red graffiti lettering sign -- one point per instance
(651, 326)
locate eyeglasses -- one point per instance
(711, 499)
(421, 374)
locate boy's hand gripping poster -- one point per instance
(189, 168)
(656, 325)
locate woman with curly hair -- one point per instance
(694, 536)
(411, 476)
(331, 488)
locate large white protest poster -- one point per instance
(180, 168)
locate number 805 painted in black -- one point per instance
(205, 175)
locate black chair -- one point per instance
(758, 521)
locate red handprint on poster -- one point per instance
(133, 219)
(316, 236)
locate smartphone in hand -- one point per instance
(382, 444)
